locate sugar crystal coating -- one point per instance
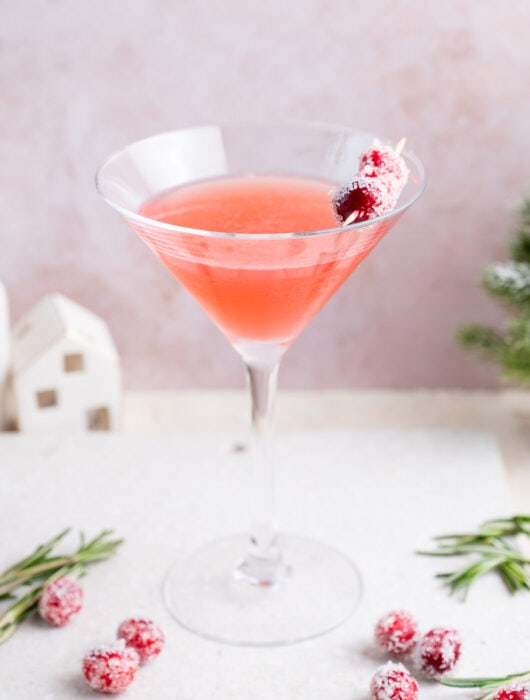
(512, 692)
(110, 669)
(385, 169)
(396, 632)
(393, 682)
(364, 196)
(61, 600)
(438, 651)
(382, 162)
(143, 636)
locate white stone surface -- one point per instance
(505, 415)
(375, 495)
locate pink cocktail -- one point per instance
(241, 215)
(268, 290)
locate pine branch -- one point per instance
(493, 549)
(508, 281)
(520, 247)
(492, 684)
(41, 568)
(37, 556)
(515, 357)
(511, 350)
(482, 338)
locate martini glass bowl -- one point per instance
(264, 588)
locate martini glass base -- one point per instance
(205, 594)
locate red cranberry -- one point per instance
(142, 635)
(110, 669)
(393, 682)
(396, 632)
(61, 600)
(438, 651)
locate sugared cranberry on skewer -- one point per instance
(375, 189)
(361, 199)
(386, 165)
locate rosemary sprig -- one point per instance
(494, 549)
(43, 568)
(485, 683)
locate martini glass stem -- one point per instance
(263, 563)
(262, 383)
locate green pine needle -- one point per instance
(492, 684)
(41, 568)
(492, 548)
(520, 247)
(509, 282)
(482, 338)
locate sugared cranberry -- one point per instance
(61, 600)
(361, 199)
(142, 635)
(110, 669)
(393, 682)
(512, 692)
(396, 632)
(438, 651)
(385, 164)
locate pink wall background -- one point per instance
(78, 80)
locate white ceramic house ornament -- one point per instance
(5, 356)
(66, 370)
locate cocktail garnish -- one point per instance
(375, 189)
(40, 569)
(497, 545)
(386, 164)
(361, 199)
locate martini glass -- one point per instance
(261, 289)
